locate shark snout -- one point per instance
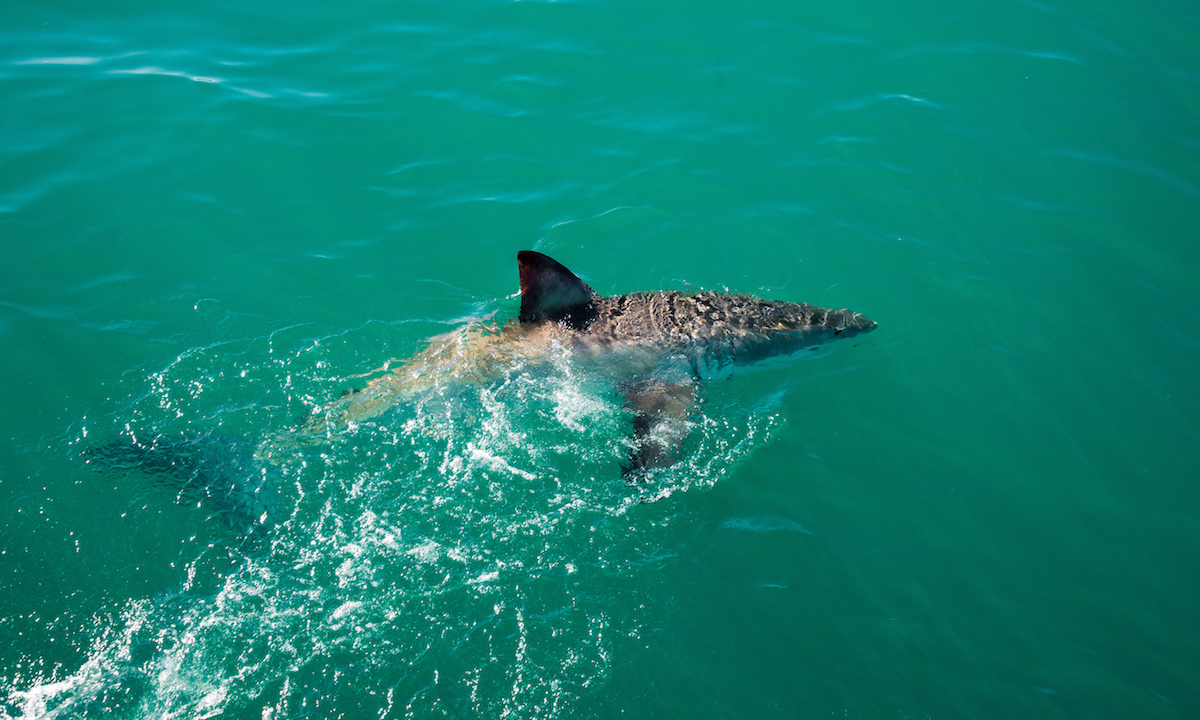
(864, 323)
(854, 323)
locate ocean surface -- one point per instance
(215, 218)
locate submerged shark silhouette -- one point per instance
(659, 347)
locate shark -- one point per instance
(657, 347)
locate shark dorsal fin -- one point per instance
(551, 292)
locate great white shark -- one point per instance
(658, 348)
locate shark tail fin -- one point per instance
(219, 474)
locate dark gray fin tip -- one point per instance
(552, 293)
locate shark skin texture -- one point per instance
(657, 348)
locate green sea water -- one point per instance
(216, 217)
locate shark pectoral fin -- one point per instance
(660, 424)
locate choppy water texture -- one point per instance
(215, 218)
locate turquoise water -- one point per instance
(214, 217)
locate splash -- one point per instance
(473, 551)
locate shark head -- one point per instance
(758, 329)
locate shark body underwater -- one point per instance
(658, 348)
